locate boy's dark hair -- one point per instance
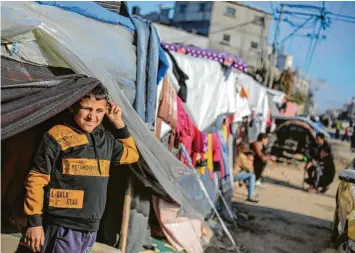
(99, 92)
(262, 136)
(321, 135)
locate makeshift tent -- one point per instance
(316, 127)
(159, 171)
(293, 137)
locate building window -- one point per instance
(183, 8)
(254, 45)
(230, 12)
(226, 39)
(258, 21)
(202, 7)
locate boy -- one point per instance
(66, 187)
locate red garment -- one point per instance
(269, 119)
(217, 152)
(185, 130)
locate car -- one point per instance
(343, 230)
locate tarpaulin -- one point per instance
(209, 94)
(92, 10)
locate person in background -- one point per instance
(244, 171)
(353, 139)
(346, 134)
(321, 169)
(260, 158)
(66, 187)
(337, 129)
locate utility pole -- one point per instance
(262, 42)
(275, 48)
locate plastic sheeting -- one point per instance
(14, 22)
(92, 10)
(243, 108)
(257, 98)
(182, 233)
(209, 95)
(56, 31)
(107, 54)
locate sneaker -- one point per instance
(258, 183)
(252, 199)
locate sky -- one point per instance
(334, 58)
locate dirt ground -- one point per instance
(288, 219)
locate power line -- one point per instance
(340, 16)
(295, 31)
(302, 6)
(234, 27)
(314, 49)
(272, 8)
(310, 44)
(341, 10)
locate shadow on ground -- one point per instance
(275, 231)
(288, 185)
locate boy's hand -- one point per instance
(34, 238)
(114, 113)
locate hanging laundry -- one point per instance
(217, 155)
(209, 155)
(180, 75)
(167, 111)
(224, 152)
(185, 130)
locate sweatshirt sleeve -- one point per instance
(38, 178)
(124, 150)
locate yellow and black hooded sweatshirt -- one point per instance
(67, 184)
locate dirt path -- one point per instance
(288, 219)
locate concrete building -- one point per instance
(284, 61)
(175, 35)
(161, 17)
(230, 26)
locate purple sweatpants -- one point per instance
(64, 240)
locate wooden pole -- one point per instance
(125, 217)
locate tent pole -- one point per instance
(125, 218)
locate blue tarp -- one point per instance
(318, 128)
(94, 11)
(97, 12)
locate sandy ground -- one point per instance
(288, 219)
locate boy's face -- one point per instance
(89, 113)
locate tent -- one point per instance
(293, 137)
(37, 96)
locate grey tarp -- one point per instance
(272, 105)
(26, 104)
(178, 181)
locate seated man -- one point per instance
(244, 170)
(321, 170)
(67, 185)
(260, 158)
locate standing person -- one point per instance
(67, 185)
(321, 170)
(260, 158)
(353, 140)
(337, 129)
(244, 171)
(346, 134)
